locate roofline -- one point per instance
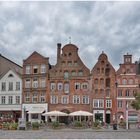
(10, 60)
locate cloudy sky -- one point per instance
(112, 27)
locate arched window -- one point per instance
(130, 81)
(66, 75)
(124, 81)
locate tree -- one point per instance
(136, 104)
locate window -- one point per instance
(66, 75)
(98, 71)
(17, 85)
(34, 116)
(66, 88)
(27, 97)
(75, 63)
(10, 86)
(73, 73)
(108, 93)
(101, 91)
(17, 99)
(80, 73)
(27, 83)
(43, 82)
(130, 81)
(108, 103)
(76, 99)
(10, 99)
(10, 75)
(120, 104)
(134, 92)
(119, 93)
(96, 91)
(27, 70)
(98, 103)
(43, 68)
(77, 86)
(102, 70)
(85, 86)
(85, 99)
(64, 99)
(127, 93)
(34, 97)
(108, 82)
(3, 100)
(35, 69)
(53, 86)
(96, 81)
(124, 81)
(54, 99)
(69, 63)
(35, 83)
(42, 97)
(133, 117)
(63, 63)
(102, 81)
(60, 86)
(3, 86)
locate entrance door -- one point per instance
(108, 118)
(99, 117)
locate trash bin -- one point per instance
(115, 126)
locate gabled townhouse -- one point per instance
(10, 90)
(103, 92)
(128, 84)
(35, 87)
(69, 88)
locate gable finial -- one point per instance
(70, 40)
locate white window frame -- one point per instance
(17, 86)
(35, 83)
(27, 83)
(108, 103)
(43, 68)
(66, 88)
(42, 97)
(54, 99)
(3, 98)
(52, 86)
(119, 103)
(10, 100)
(98, 103)
(60, 86)
(76, 99)
(17, 99)
(34, 97)
(27, 97)
(27, 70)
(35, 67)
(65, 99)
(3, 86)
(43, 83)
(10, 86)
(77, 86)
(85, 99)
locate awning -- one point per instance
(36, 111)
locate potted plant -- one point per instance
(5, 125)
(96, 125)
(35, 125)
(55, 124)
(78, 124)
(13, 126)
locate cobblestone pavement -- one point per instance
(69, 134)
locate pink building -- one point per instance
(127, 85)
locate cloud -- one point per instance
(112, 27)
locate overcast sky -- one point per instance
(112, 27)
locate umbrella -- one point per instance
(55, 113)
(80, 113)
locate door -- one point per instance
(99, 117)
(108, 118)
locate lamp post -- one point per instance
(116, 83)
(127, 115)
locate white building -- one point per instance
(10, 96)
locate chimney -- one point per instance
(58, 51)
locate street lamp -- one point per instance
(127, 115)
(116, 83)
